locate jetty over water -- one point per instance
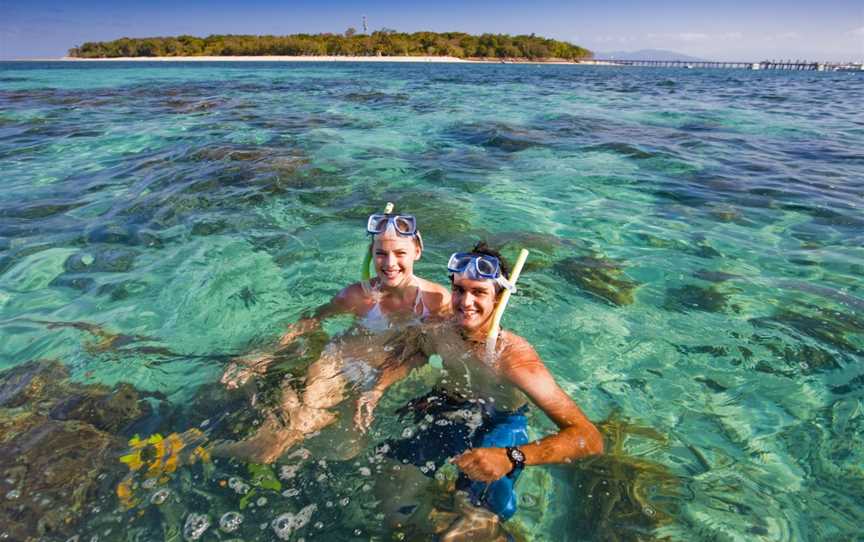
(795, 65)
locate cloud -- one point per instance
(857, 32)
(686, 37)
(783, 36)
(615, 39)
(693, 36)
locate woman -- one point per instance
(357, 360)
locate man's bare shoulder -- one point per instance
(518, 354)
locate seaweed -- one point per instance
(828, 326)
(600, 276)
(57, 444)
(692, 297)
(623, 497)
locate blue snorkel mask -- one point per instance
(479, 267)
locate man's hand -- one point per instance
(366, 404)
(484, 464)
(240, 371)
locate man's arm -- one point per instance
(577, 437)
(365, 412)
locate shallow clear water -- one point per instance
(696, 264)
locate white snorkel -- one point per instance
(494, 330)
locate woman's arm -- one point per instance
(241, 369)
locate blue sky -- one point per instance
(729, 30)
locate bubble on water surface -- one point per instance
(238, 485)
(288, 472)
(230, 521)
(160, 496)
(195, 526)
(287, 523)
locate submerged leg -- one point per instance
(474, 524)
(325, 388)
(268, 443)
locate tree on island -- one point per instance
(385, 42)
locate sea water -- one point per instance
(695, 279)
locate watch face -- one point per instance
(517, 455)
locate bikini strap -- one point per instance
(418, 302)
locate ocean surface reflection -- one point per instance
(695, 283)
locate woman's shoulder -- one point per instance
(353, 296)
(433, 287)
(435, 296)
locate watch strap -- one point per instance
(517, 459)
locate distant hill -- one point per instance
(645, 54)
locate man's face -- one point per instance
(473, 301)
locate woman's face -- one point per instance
(394, 257)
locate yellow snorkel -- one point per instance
(367, 260)
(492, 337)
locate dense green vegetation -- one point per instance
(383, 42)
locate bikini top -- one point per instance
(375, 320)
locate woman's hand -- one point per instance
(484, 464)
(298, 328)
(364, 415)
(241, 370)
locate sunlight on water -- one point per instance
(695, 283)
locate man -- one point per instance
(476, 416)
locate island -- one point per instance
(381, 44)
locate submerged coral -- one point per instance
(600, 276)
(623, 497)
(692, 297)
(57, 446)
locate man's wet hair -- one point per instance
(484, 249)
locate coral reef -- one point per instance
(599, 276)
(58, 443)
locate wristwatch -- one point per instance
(516, 457)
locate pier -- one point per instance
(793, 65)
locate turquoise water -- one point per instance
(696, 263)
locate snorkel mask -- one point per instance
(479, 267)
(404, 225)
